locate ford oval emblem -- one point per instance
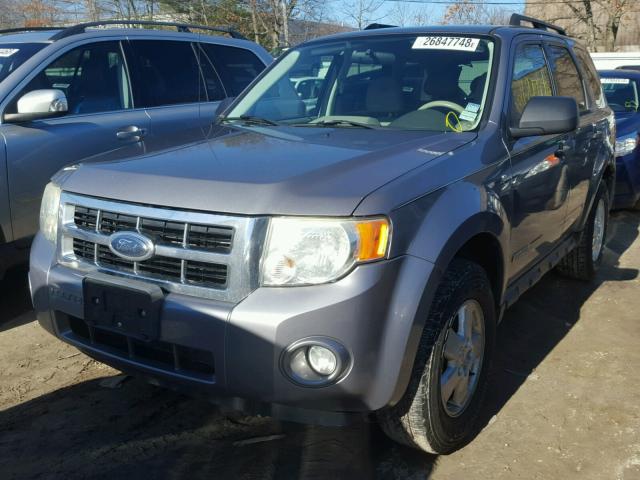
(131, 246)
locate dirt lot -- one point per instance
(564, 402)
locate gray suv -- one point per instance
(67, 94)
(326, 259)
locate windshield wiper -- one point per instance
(333, 123)
(252, 120)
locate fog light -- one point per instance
(322, 360)
(316, 361)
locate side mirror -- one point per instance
(39, 104)
(223, 106)
(546, 116)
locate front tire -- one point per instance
(439, 411)
(584, 260)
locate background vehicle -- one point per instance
(67, 94)
(622, 89)
(326, 260)
(614, 60)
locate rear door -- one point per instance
(102, 117)
(168, 83)
(581, 158)
(539, 171)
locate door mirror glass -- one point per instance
(39, 104)
(546, 116)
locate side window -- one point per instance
(530, 78)
(165, 73)
(591, 75)
(212, 83)
(93, 78)
(237, 66)
(565, 72)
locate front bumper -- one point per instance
(371, 312)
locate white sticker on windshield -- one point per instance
(470, 112)
(621, 81)
(447, 43)
(7, 52)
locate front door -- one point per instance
(539, 166)
(101, 118)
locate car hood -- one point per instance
(263, 170)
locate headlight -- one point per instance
(49, 212)
(626, 144)
(309, 251)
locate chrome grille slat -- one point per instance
(207, 255)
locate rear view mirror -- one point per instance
(546, 116)
(39, 104)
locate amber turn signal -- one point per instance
(373, 239)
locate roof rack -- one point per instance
(27, 29)
(181, 27)
(517, 19)
(375, 26)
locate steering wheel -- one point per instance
(443, 103)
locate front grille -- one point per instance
(203, 254)
(163, 355)
(202, 237)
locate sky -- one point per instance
(435, 8)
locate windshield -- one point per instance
(621, 93)
(408, 82)
(12, 55)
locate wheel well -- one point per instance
(484, 249)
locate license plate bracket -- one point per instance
(122, 305)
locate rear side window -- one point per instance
(530, 78)
(212, 83)
(590, 76)
(165, 73)
(237, 66)
(565, 72)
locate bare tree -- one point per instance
(362, 12)
(597, 22)
(474, 12)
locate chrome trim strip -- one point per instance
(242, 261)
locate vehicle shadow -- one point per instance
(138, 430)
(15, 302)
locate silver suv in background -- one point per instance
(72, 93)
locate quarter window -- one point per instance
(166, 73)
(530, 78)
(568, 82)
(237, 66)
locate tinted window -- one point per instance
(237, 66)
(212, 84)
(568, 82)
(590, 75)
(93, 77)
(530, 78)
(12, 55)
(166, 73)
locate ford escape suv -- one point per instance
(67, 94)
(326, 259)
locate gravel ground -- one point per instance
(563, 402)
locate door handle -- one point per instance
(130, 133)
